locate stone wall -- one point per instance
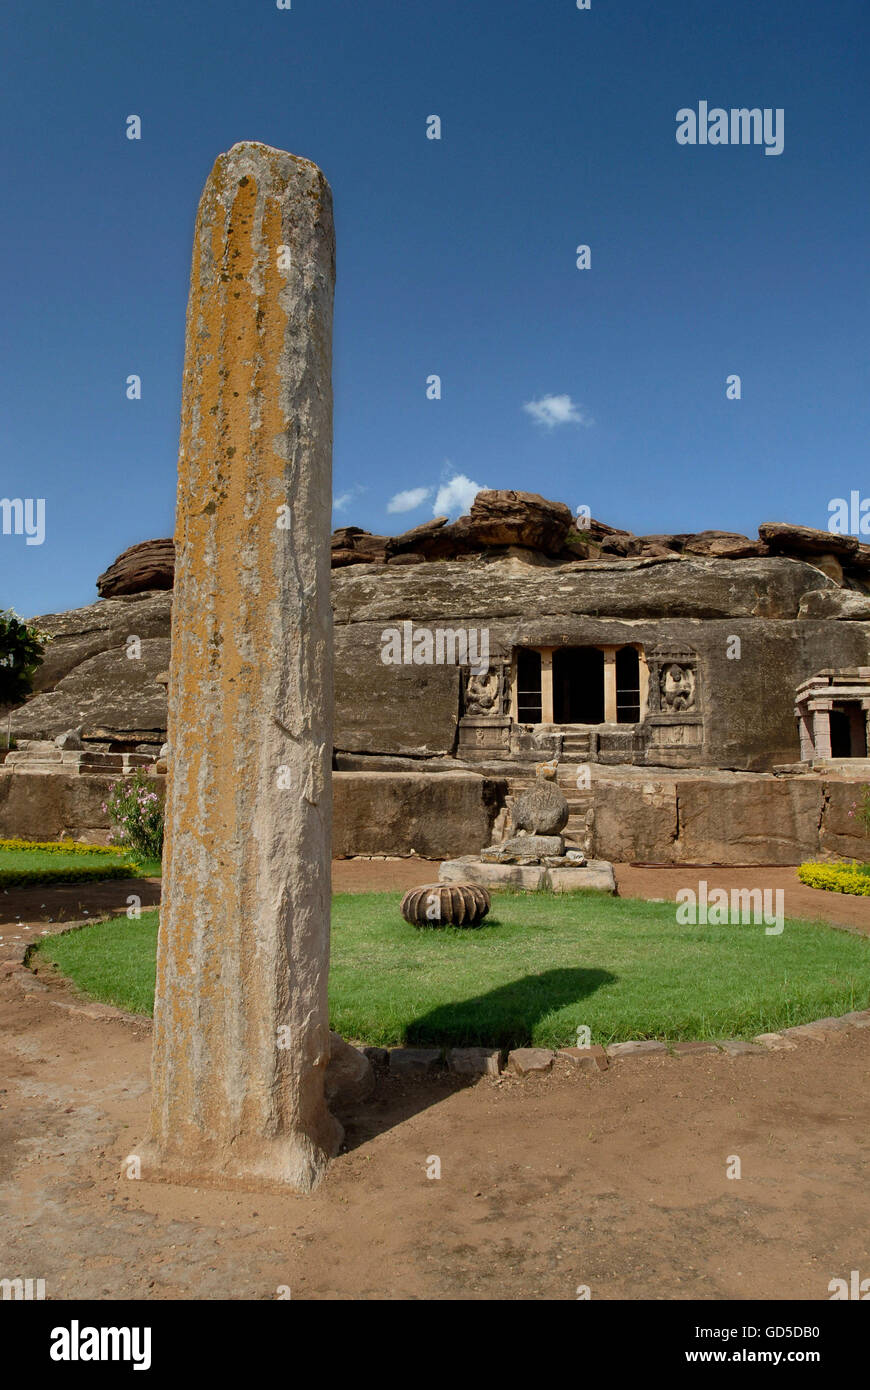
(52, 806)
(94, 675)
(715, 818)
(727, 819)
(437, 817)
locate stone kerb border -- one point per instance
(471, 1061)
(528, 1061)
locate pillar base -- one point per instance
(267, 1165)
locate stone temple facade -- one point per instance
(702, 693)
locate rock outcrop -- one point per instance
(517, 567)
(507, 522)
(100, 672)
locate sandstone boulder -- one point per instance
(504, 518)
(840, 831)
(148, 565)
(665, 543)
(843, 604)
(349, 1078)
(107, 696)
(426, 540)
(729, 819)
(783, 538)
(350, 545)
(723, 545)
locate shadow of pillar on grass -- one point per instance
(504, 1017)
(507, 1016)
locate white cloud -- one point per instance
(550, 411)
(340, 503)
(456, 496)
(409, 500)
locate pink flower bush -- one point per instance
(136, 812)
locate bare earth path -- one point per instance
(615, 1181)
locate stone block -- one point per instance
(736, 1047)
(349, 1077)
(774, 1042)
(596, 875)
(414, 1061)
(637, 1047)
(532, 846)
(523, 1061)
(474, 1061)
(378, 1056)
(694, 1048)
(818, 1030)
(592, 1058)
(437, 815)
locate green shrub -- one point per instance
(836, 878)
(83, 873)
(58, 847)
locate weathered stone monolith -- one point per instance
(241, 1036)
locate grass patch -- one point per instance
(20, 868)
(539, 967)
(43, 862)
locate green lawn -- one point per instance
(20, 868)
(538, 967)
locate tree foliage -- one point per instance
(22, 649)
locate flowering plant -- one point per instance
(136, 812)
(861, 811)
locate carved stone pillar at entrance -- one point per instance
(821, 730)
(547, 685)
(643, 669)
(610, 685)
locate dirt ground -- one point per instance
(615, 1181)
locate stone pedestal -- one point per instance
(594, 873)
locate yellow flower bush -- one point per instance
(58, 846)
(836, 878)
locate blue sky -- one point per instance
(455, 257)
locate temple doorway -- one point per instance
(848, 730)
(578, 685)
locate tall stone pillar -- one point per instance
(610, 685)
(547, 715)
(241, 1037)
(643, 672)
